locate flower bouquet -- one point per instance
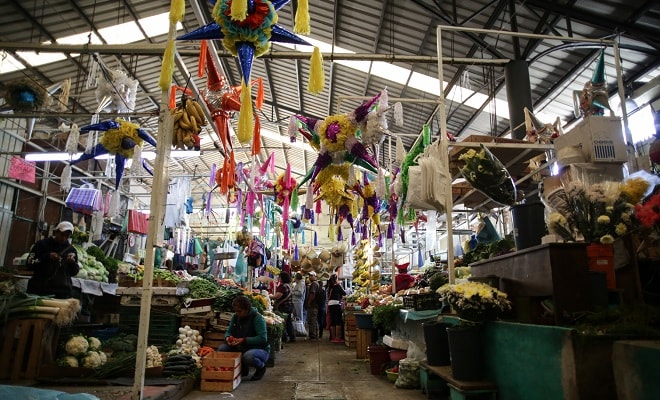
(648, 214)
(597, 213)
(488, 175)
(475, 302)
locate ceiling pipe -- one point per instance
(158, 49)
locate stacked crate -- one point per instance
(164, 323)
(350, 330)
(221, 372)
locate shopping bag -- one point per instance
(138, 222)
(85, 199)
(299, 327)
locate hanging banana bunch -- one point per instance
(188, 122)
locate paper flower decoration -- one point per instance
(116, 92)
(246, 33)
(119, 139)
(371, 209)
(25, 95)
(593, 99)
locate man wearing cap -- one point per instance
(312, 306)
(53, 261)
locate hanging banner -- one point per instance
(21, 169)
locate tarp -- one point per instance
(22, 392)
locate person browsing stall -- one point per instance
(335, 296)
(247, 334)
(53, 261)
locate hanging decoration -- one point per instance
(188, 119)
(117, 91)
(593, 98)
(246, 29)
(538, 132)
(285, 187)
(119, 139)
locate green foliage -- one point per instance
(202, 289)
(484, 251)
(96, 252)
(437, 280)
(384, 316)
(225, 297)
(629, 319)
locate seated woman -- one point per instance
(247, 334)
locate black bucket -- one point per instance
(528, 224)
(437, 344)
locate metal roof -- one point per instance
(401, 33)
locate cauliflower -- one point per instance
(104, 357)
(76, 345)
(91, 360)
(94, 343)
(67, 361)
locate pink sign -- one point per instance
(21, 169)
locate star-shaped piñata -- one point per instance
(119, 139)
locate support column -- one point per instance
(518, 94)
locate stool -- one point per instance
(466, 394)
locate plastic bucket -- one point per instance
(528, 224)
(378, 359)
(437, 344)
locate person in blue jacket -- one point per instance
(247, 334)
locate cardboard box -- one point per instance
(590, 173)
(599, 138)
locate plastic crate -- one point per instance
(163, 324)
(421, 302)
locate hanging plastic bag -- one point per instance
(488, 233)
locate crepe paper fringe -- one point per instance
(316, 81)
(239, 9)
(245, 116)
(301, 23)
(65, 182)
(72, 141)
(256, 140)
(167, 70)
(398, 114)
(177, 11)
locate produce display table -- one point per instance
(458, 390)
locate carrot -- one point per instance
(204, 351)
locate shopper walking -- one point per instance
(335, 297)
(53, 261)
(247, 334)
(313, 304)
(283, 299)
(298, 297)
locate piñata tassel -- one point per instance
(167, 69)
(294, 198)
(316, 239)
(238, 11)
(316, 74)
(318, 207)
(296, 254)
(398, 114)
(390, 231)
(65, 182)
(353, 239)
(72, 141)
(426, 135)
(292, 130)
(64, 94)
(331, 232)
(201, 62)
(177, 11)
(259, 101)
(172, 100)
(256, 140)
(301, 24)
(340, 235)
(245, 116)
(309, 197)
(302, 238)
(113, 210)
(136, 163)
(400, 151)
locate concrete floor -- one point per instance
(304, 370)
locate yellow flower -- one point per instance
(607, 239)
(633, 189)
(603, 220)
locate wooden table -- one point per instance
(557, 270)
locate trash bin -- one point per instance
(378, 359)
(528, 224)
(437, 344)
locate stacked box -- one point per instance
(214, 338)
(221, 372)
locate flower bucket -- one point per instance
(437, 344)
(466, 352)
(528, 224)
(601, 259)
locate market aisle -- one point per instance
(317, 370)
